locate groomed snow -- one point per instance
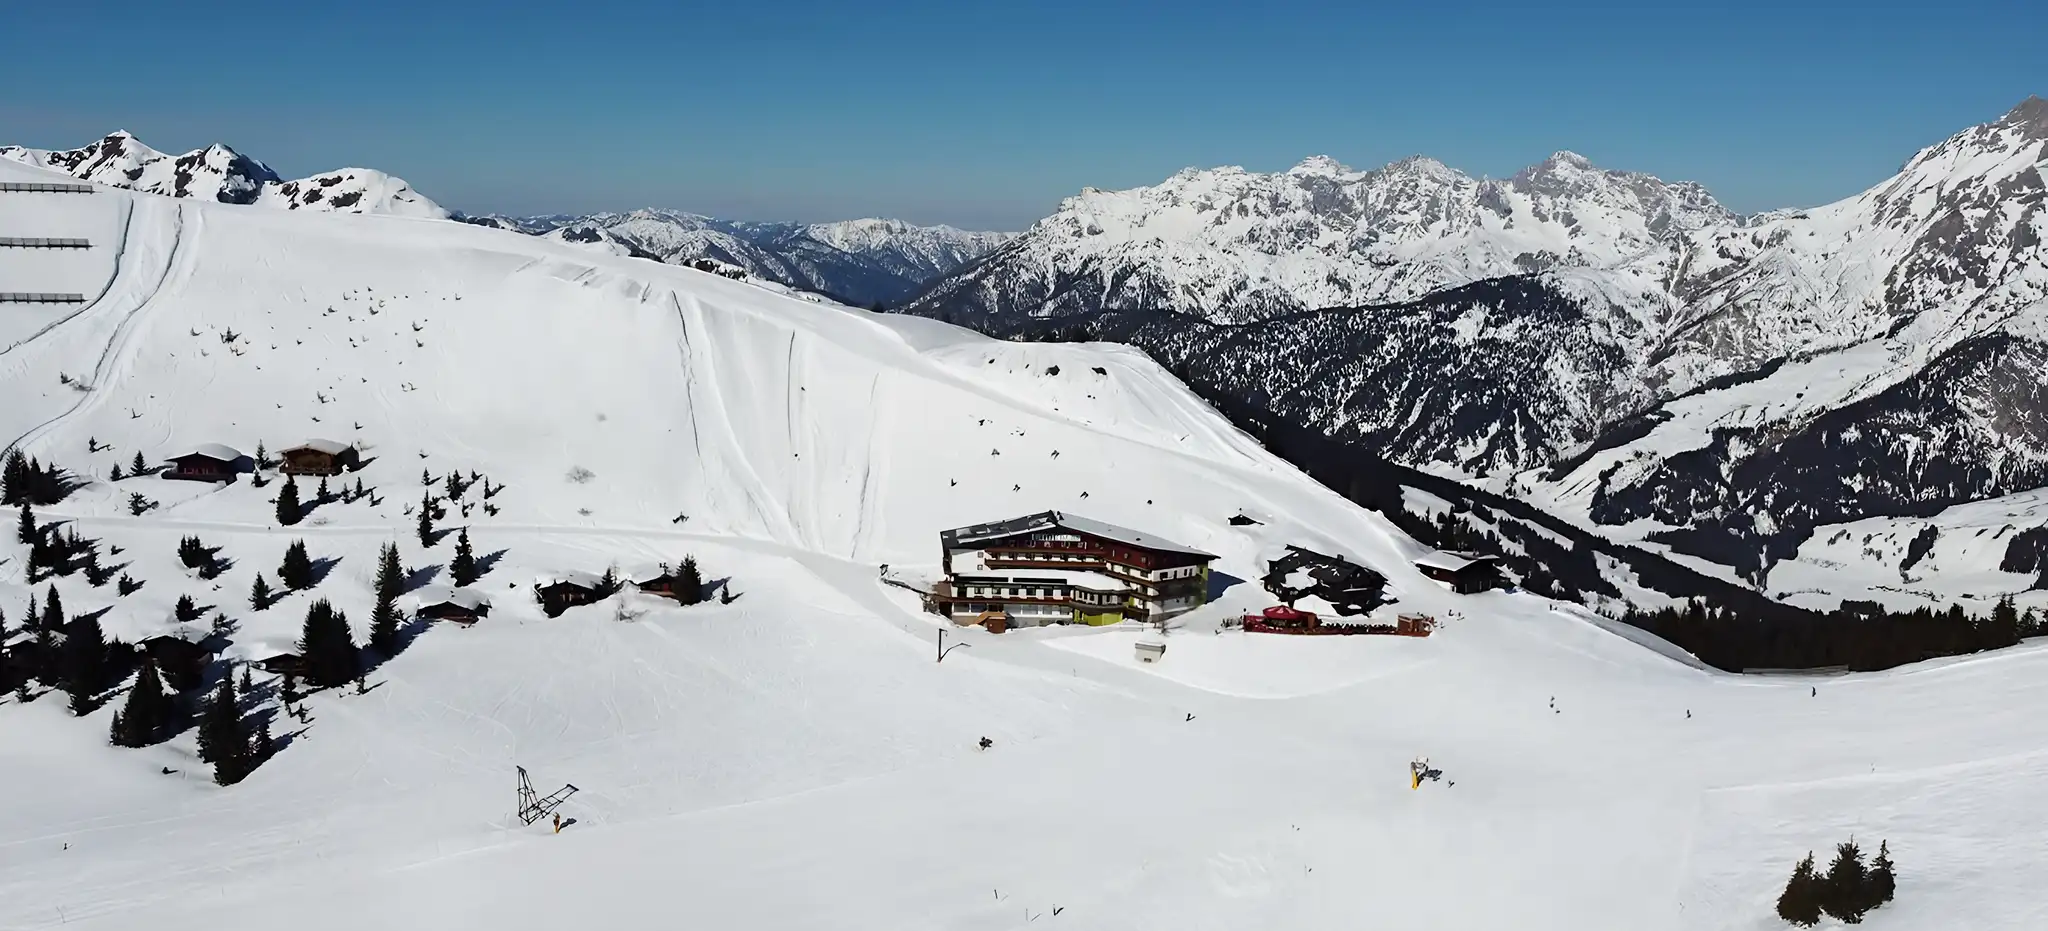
(795, 759)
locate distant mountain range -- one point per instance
(220, 173)
(1620, 350)
(868, 262)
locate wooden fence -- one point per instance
(43, 242)
(43, 187)
(35, 297)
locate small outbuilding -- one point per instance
(666, 580)
(1464, 573)
(208, 462)
(1151, 650)
(567, 590)
(284, 664)
(464, 606)
(318, 457)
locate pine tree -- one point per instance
(140, 465)
(296, 572)
(222, 738)
(14, 480)
(321, 495)
(390, 576)
(84, 665)
(114, 474)
(186, 610)
(259, 594)
(34, 618)
(262, 456)
(1800, 902)
(427, 520)
(463, 566)
(689, 582)
(53, 610)
(28, 532)
(608, 584)
(288, 510)
(327, 646)
(426, 478)
(261, 746)
(146, 716)
(1842, 889)
(384, 626)
(1881, 883)
(2003, 629)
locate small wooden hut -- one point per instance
(464, 606)
(207, 462)
(567, 590)
(318, 457)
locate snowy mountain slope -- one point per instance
(1981, 551)
(795, 759)
(1722, 385)
(220, 173)
(862, 262)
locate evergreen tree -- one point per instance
(327, 646)
(689, 582)
(186, 610)
(225, 743)
(463, 567)
(426, 478)
(140, 465)
(427, 520)
(84, 663)
(288, 511)
(28, 533)
(2003, 628)
(296, 572)
(1881, 883)
(262, 456)
(1800, 902)
(390, 576)
(1842, 889)
(114, 474)
(321, 495)
(146, 716)
(384, 626)
(608, 584)
(34, 619)
(261, 746)
(53, 610)
(259, 594)
(14, 480)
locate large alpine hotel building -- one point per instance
(1055, 568)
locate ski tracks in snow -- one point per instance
(116, 356)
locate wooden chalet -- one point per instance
(1058, 568)
(464, 606)
(662, 580)
(318, 457)
(565, 591)
(284, 664)
(1463, 573)
(1351, 589)
(208, 462)
(181, 660)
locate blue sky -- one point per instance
(985, 115)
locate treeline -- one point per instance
(1861, 635)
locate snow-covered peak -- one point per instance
(1320, 165)
(220, 173)
(1232, 244)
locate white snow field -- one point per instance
(796, 759)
